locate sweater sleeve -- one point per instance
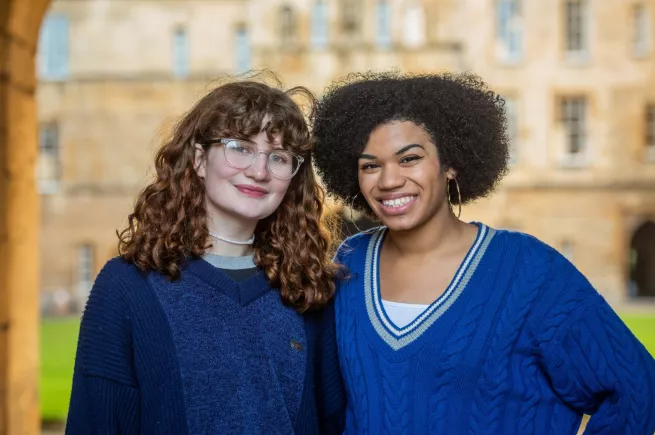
(332, 392)
(598, 367)
(105, 395)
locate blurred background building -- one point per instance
(114, 75)
(578, 77)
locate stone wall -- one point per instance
(19, 223)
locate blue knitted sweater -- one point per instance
(520, 343)
(201, 355)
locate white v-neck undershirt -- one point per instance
(402, 314)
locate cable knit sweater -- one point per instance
(520, 343)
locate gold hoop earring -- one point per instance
(352, 203)
(459, 197)
(351, 207)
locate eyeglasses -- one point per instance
(241, 154)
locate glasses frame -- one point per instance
(223, 141)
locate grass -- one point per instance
(643, 327)
(59, 341)
(58, 344)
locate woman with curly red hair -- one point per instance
(214, 318)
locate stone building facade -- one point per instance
(578, 77)
(546, 54)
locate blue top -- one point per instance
(204, 354)
(519, 343)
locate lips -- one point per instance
(250, 190)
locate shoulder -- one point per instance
(523, 240)
(106, 329)
(536, 251)
(357, 245)
(531, 251)
(547, 278)
(110, 291)
(119, 270)
(538, 267)
(115, 288)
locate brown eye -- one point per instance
(368, 166)
(409, 159)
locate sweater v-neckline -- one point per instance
(398, 338)
(244, 292)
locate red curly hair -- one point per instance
(169, 222)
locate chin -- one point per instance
(252, 213)
(401, 223)
(399, 228)
(257, 216)
(256, 209)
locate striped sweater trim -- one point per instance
(395, 337)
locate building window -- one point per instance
(320, 30)
(85, 271)
(53, 56)
(48, 160)
(384, 24)
(509, 28)
(414, 24)
(242, 49)
(511, 112)
(641, 40)
(180, 53)
(287, 25)
(350, 16)
(576, 20)
(650, 132)
(573, 113)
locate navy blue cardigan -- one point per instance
(202, 354)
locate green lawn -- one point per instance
(643, 326)
(59, 340)
(58, 344)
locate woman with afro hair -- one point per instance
(449, 327)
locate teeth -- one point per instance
(398, 202)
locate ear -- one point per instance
(451, 174)
(199, 160)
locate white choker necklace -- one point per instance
(250, 241)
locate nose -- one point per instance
(259, 168)
(390, 178)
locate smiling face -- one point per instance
(248, 195)
(401, 177)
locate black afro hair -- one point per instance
(464, 118)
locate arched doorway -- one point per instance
(642, 261)
(19, 251)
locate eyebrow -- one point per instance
(399, 152)
(276, 146)
(234, 138)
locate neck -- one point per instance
(440, 232)
(238, 230)
(225, 249)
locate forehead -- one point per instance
(265, 129)
(269, 131)
(264, 141)
(394, 135)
